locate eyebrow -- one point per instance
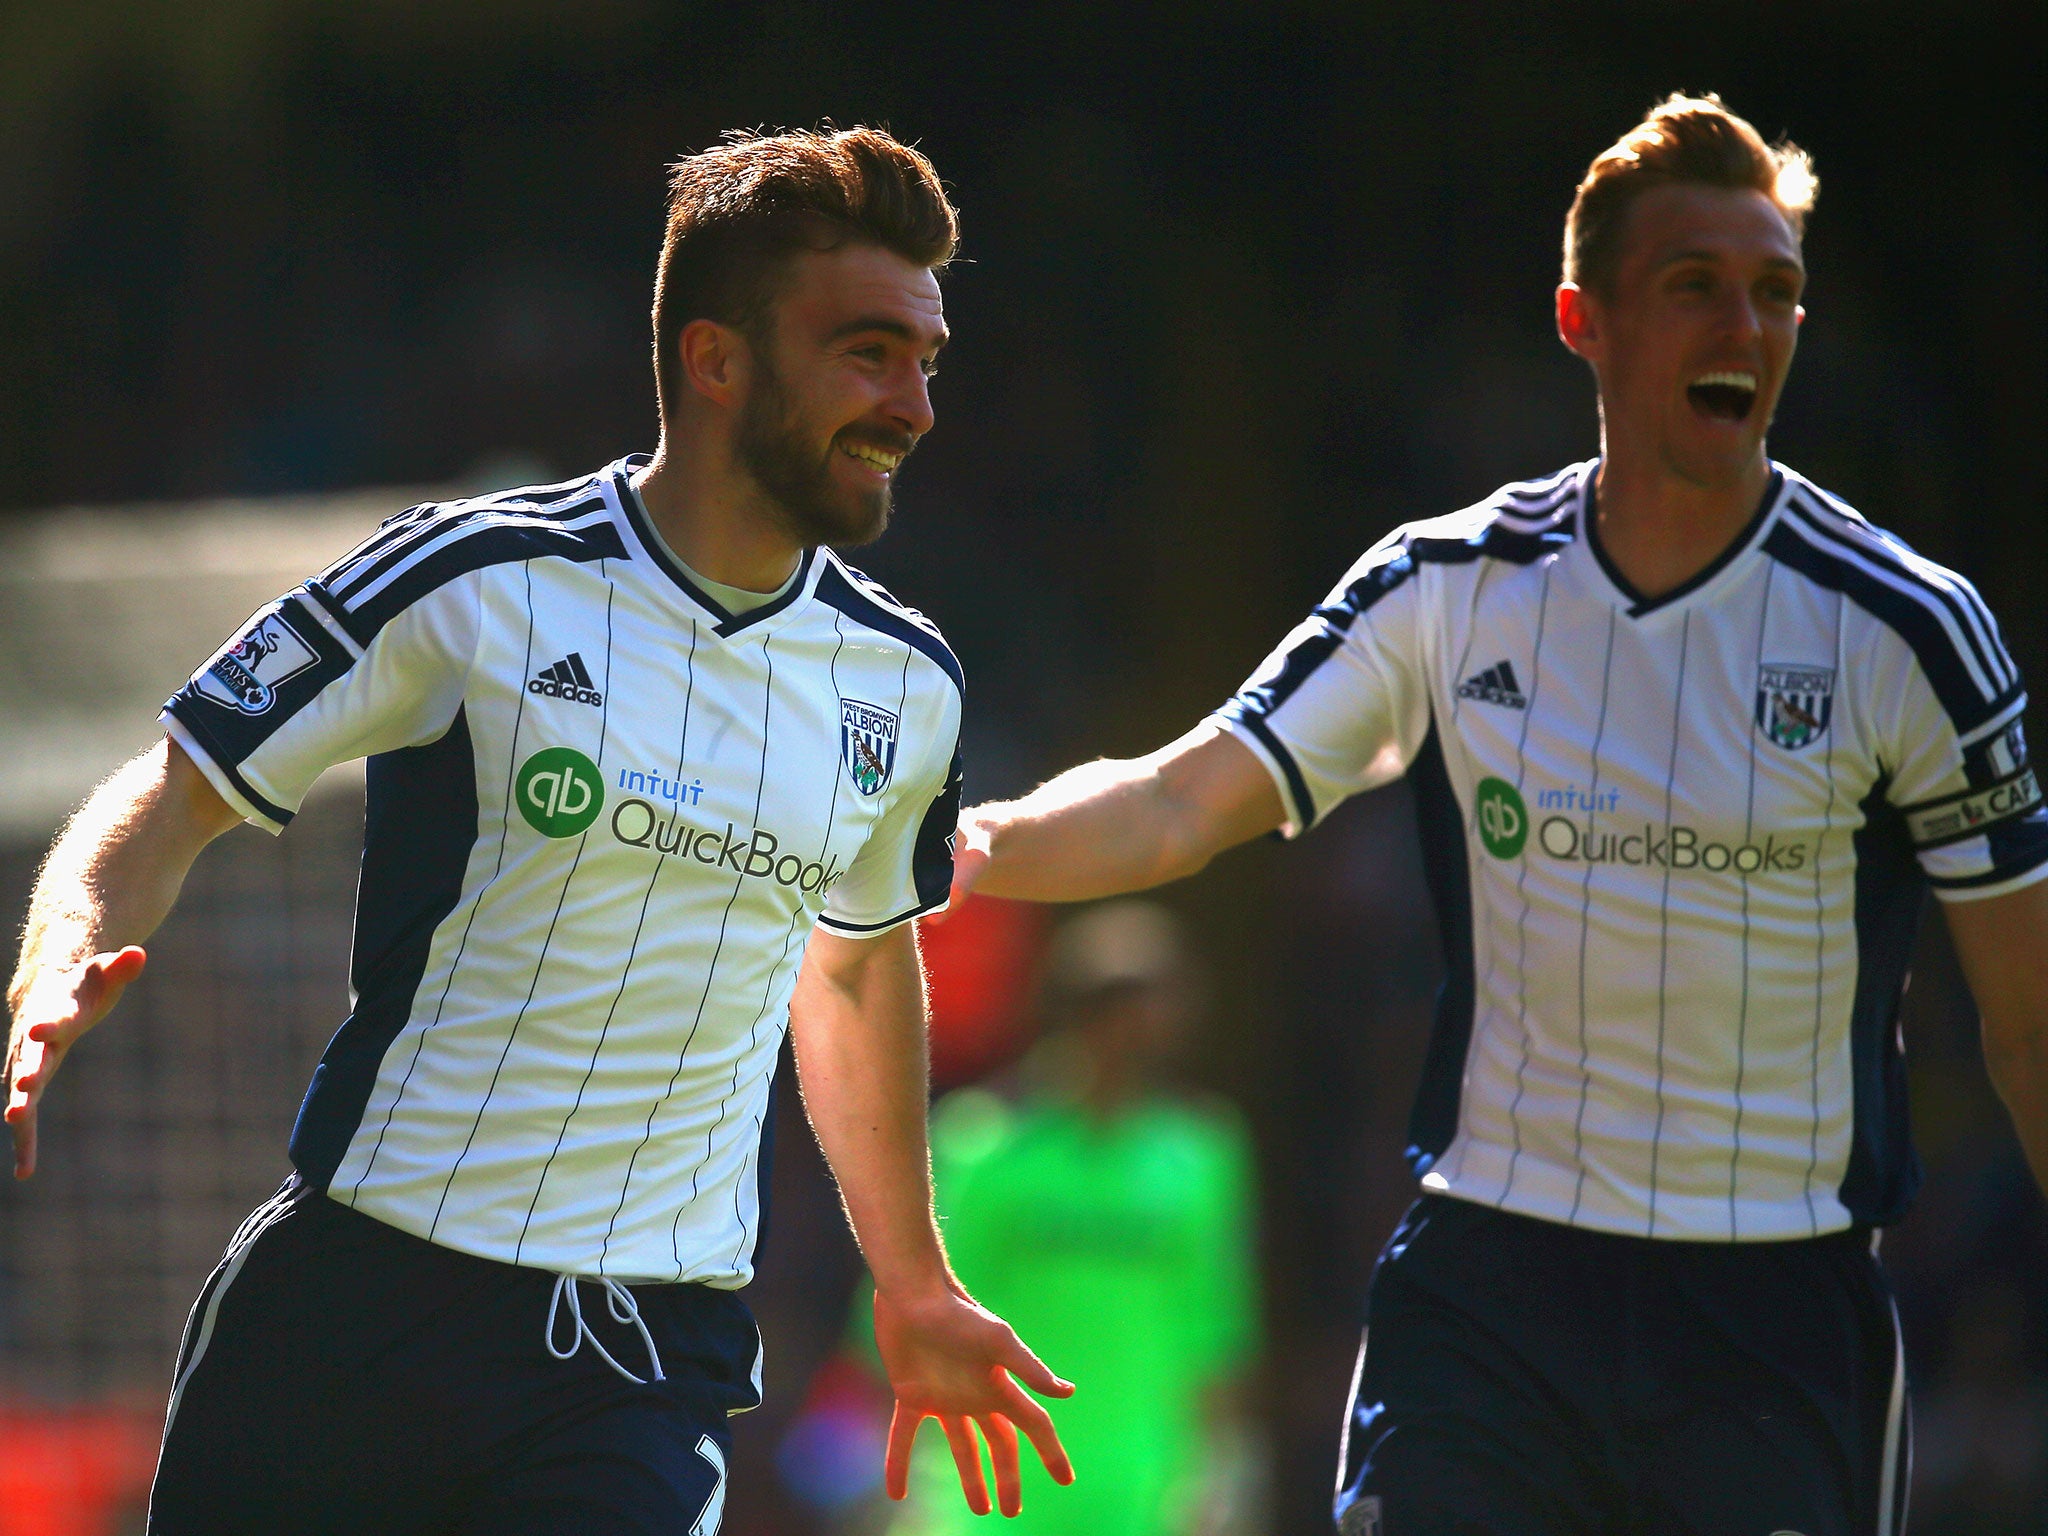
(1700, 254)
(887, 326)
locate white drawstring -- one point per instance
(624, 1309)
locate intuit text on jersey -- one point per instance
(752, 853)
(1666, 848)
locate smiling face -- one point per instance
(840, 389)
(1692, 345)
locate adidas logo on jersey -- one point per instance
(1496, 685)
(566, 679)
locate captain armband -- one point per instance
(1973, 812)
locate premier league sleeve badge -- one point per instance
(246, 673)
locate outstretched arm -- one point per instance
(858, 1022)
(2003, 944)
(109, 880)
(1120, 825)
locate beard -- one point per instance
(772, 446)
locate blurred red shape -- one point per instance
(73, 1471)
(982, 963)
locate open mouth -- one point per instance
(1725, 396)
(882, 461)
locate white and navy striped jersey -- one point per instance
(1678, 847)
(604, 814)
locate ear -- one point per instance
(716, 361)
(1578, 324)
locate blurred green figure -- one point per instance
(1110, 1221)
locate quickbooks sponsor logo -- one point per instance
(1503, 819)
(754, 854)
(1665, 848)
(558, 791)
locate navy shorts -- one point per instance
(339, 1375)
(1525, 1378)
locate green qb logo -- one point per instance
(1503, 819)
(559, 791)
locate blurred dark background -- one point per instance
(1241, 287)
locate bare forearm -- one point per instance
(1095, 830)
(108, 882)
(2003, 944)
(858, 1022)
(2019, 1071)
(861, 1057)
(116, 870)
(1126, 825)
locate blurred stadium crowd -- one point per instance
(1242, 287)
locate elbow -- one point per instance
(1185, 849)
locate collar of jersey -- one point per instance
(1635, 604)
(725, 623)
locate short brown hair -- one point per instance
(1684, 139)
(739, 209)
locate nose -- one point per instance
(910, 402)
(1739, 317)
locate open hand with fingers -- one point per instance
(951, 1360)
(56, 1009)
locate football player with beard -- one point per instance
(653, 777)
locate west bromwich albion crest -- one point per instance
(867, 744)
(1794, 702)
